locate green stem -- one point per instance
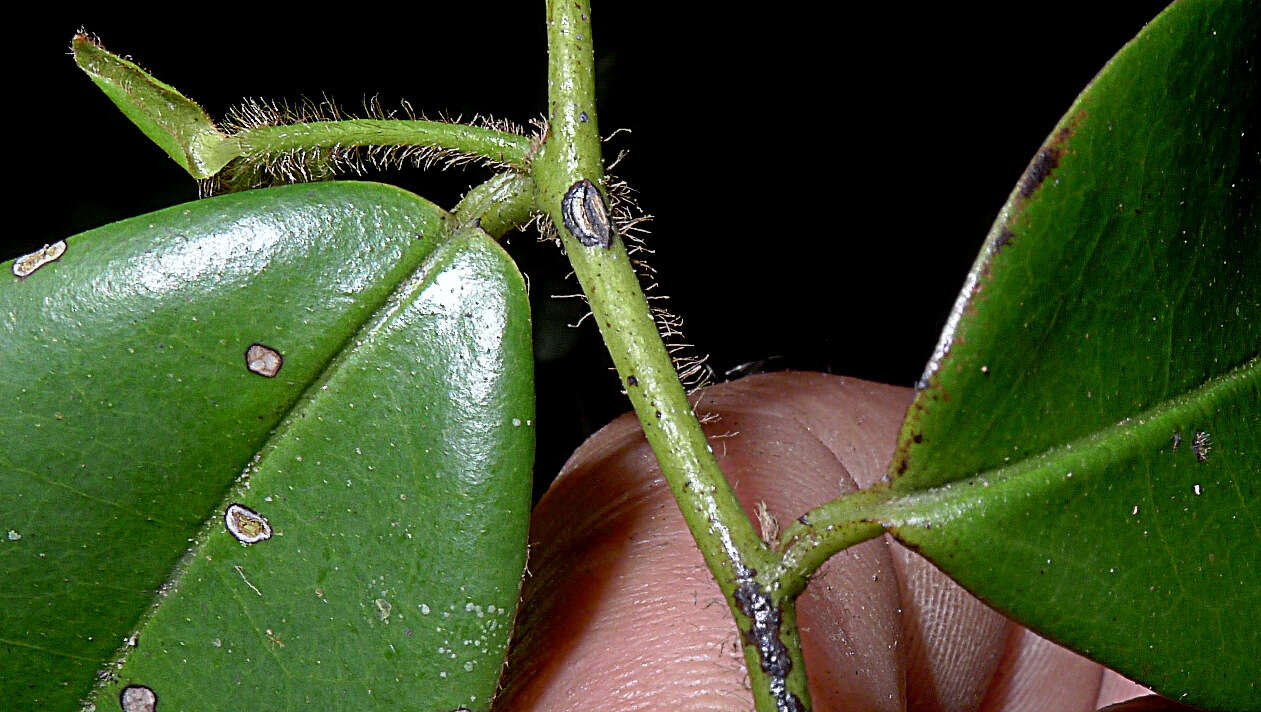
(724, 534)
(502, 203)
(496, 146)
(818, 534)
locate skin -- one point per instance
(619, 612)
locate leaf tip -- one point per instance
(82, 37)
(86, 48)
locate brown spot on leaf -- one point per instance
(1004, 236)
(248, 526)
(1041, 166)
(1046, 161)
(263, 360)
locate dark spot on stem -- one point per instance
(632, 381)
(763, 635)
(585, 216)
(1177, 440)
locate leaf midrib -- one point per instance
(1120, 440)
(374, 320)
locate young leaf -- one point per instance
(147, 368)
(1085, 447)
(166, 116)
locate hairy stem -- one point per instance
(568, 172)
(496, 146)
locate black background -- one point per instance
(820, 180)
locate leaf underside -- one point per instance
(174, 122)
(1084, 449)
(390, 455)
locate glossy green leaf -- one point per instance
(397, 482)
(1091, 419)
(171, 120)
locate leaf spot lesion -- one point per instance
(26, 265)
(248, 526)
(1201, 444)
(138, 698)
(263, 360)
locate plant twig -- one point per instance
(823, 531)
(503, 202)
(443, 138)
(292, 144)
(568, 173)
